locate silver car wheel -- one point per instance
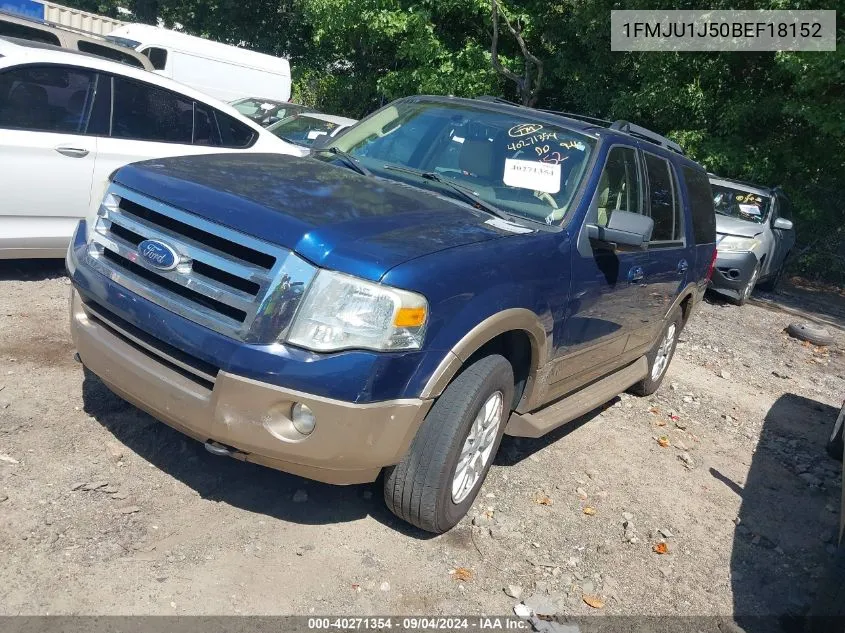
(661, 359)
(751, 283)
(478, 447)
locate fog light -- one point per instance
(303, 418)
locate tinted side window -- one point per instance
(158, 57)
(205, 127)
(233, 133)
(619, 185)
(47, 99)
(24, 32)
(701, 203)
(663, 203)
(146, 113)
(108, 53)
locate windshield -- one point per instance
(525, 167)
(261, 109)
(302, 129)
(740, 204)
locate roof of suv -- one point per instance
(12, 53)
(590, 126)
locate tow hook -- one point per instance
(221, 450)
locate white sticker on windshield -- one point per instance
(529, 174)
(268, 106)
(750, 209)
(315, 134)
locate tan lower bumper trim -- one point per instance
(350, 443)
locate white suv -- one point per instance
(68, 120)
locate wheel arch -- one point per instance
(507, 332)
(685, 301)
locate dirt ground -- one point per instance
(103, 510)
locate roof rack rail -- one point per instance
(646, 134)
(580, 117)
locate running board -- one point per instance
(577, 404)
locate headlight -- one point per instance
(343, 312)
(736, 243)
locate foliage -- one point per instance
(771, 118)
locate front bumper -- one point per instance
(732, 272)
(350, 443)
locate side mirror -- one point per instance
(624, 227)
(321, 141)
(783, 224)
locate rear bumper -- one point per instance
(732, 272)
(350, 443)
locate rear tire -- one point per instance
(660, 356)
(421, 489)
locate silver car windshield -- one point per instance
(741, 204)
(523, 166)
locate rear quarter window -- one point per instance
(701, 205)
(233, 133)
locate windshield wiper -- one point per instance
(347, 158)
(462, 190)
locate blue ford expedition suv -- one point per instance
(445, 271)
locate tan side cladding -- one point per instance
(350, 443)
(491, 327)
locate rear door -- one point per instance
(49, 117)
(669, 261)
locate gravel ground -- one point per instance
(103, 510)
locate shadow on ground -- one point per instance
(788, 518)
(515, 449)
(248, 486)
(31, 269)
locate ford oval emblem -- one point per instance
(158, 254)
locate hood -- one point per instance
(330, 215)
(734, 226)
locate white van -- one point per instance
(219, 70)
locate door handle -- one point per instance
(72, 152)
(635, 274)
(682, 266)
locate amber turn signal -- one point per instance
(409, 317)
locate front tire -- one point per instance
(745, 293)
(660, 356)
(435, 484)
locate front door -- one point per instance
(782, 239)
(607, 285)
(48, 146)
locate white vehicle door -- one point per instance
(49, 118)
(153, 122)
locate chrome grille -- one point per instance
(230, 282)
